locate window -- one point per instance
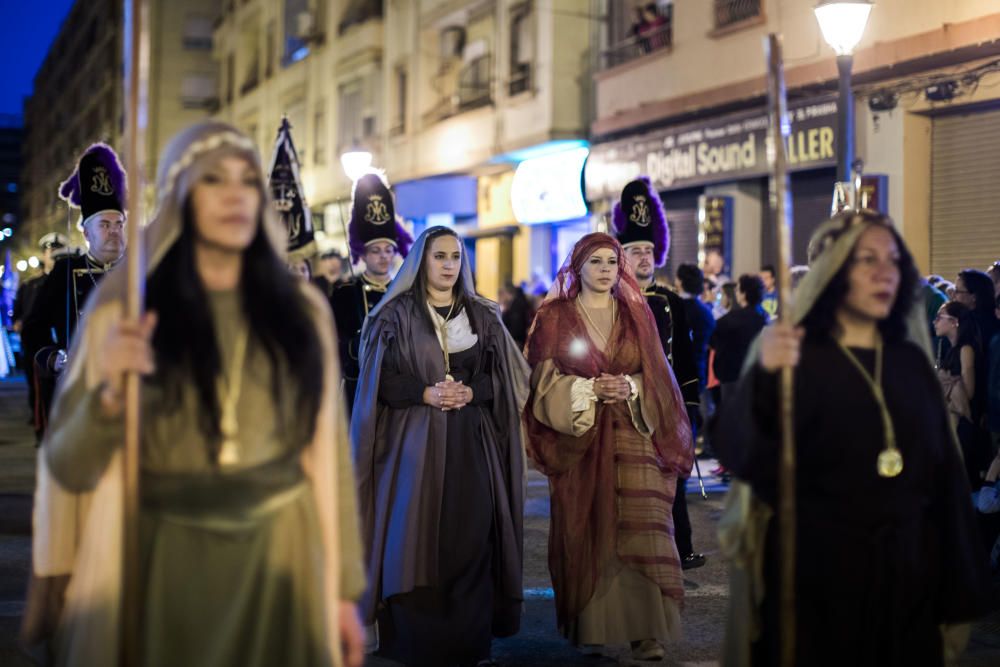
(474, 83)
(298, 25)
(522, 49)
(198, 90)
(349, 132)
(730, 12)
(197, 34)
(637, 27)
(399, 114)
(319, 136)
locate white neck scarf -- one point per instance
(459, 330)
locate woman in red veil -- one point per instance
(606, 423)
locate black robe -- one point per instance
(351, 302)
(881, 562)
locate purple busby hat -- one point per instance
(97, 184)
(373, 218)
(639, 218)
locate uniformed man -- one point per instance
(375, 235)
(97, 188)
(640, 225)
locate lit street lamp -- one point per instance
(356, 163)
(842, 23)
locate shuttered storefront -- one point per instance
(681, 207)
(965, 192)
(812, 195)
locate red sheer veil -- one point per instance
(550, 338)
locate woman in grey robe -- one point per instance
(437, 447)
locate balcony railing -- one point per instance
(729, 12)
(646, 41)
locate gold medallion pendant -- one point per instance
(890, 463)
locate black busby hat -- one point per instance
(97, 184)
(639, 218)
(373, 217)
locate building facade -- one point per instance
(685, 103)
(449, 97)
(78, 97)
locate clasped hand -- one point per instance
(448, 395)
(612, 388)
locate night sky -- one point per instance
(27, 28)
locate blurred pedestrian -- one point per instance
(699, 317)
(957, 371)
(887, 551)
(607, 424)
(440, 463)
(736, 330)
(516, 312)
(770, 301)
(52, 245)
(329, 271)
(249, 551)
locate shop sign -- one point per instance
(723, 148)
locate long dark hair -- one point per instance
(821, 322)
(419, 289)
(980, 285)
(276, 311)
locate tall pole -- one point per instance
(845, 119)
(779, 130)
(136, 44)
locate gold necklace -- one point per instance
(890, 460)
(593, 324)
(228, 390)
(443, 329)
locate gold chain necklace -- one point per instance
(890, 460)
(443, 329)
(593, 324)
(228, 391)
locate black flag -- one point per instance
(289, 200)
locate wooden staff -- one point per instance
(136, 57)
(781, 205)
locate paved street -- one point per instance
(538, 644)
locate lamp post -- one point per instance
(842, 23)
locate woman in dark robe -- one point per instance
(606, 423)
(440, 463)
(887, 549)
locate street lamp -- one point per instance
(842, 23)
(356, 163)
